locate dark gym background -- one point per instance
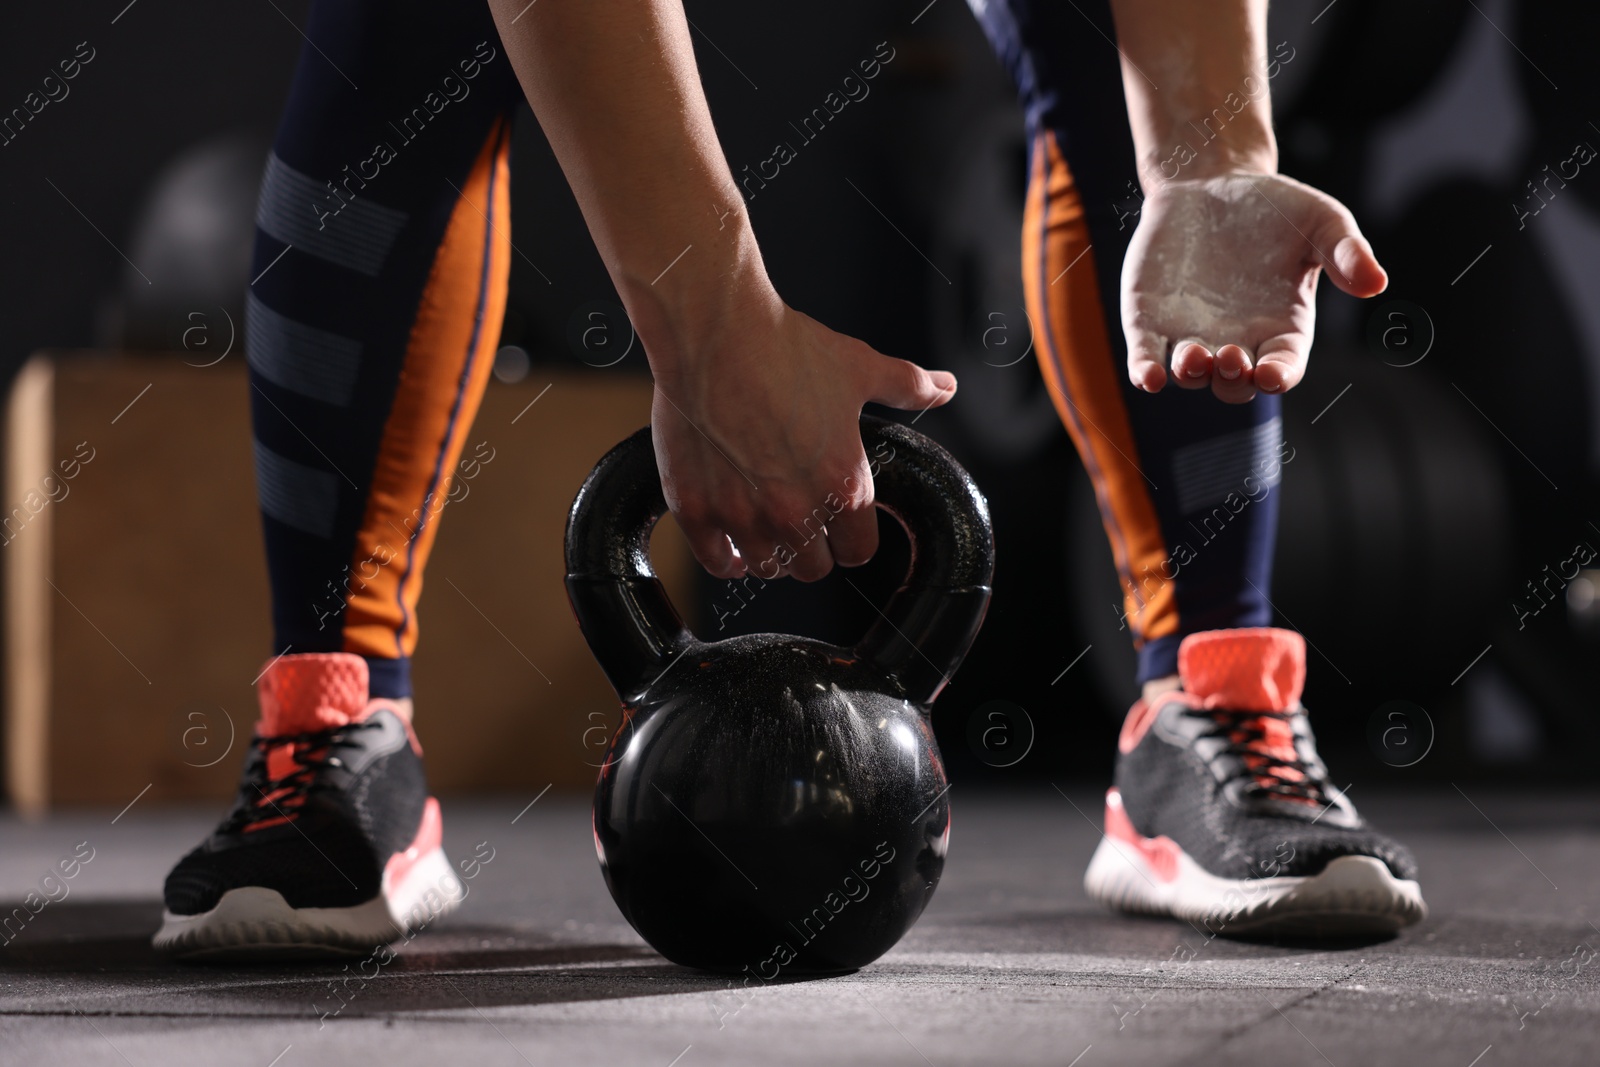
(1445, 439)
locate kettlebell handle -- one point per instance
(918, 641)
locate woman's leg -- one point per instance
(379, 284)
(1169, 470)
(382, 252)
(1222, 810)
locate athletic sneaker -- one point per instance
(1223, 813)
(333, 844)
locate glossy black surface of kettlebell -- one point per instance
(774, 805)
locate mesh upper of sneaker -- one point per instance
(328, 850)
(1172, 787)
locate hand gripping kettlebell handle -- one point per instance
(923, 632)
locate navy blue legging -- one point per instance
(1184, 482)
(381, 259)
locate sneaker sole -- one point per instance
(1353, 896)
(256, 923)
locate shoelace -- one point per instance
(1270, 772)
(281, 798)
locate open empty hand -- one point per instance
(1220, 281)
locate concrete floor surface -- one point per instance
(1011, 964)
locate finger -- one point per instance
(797, 549)
(1191, 365)
(1281, 363)
(853, 536)
(1232, 378)
(901, 384)
(813, 559)
(760, 554)
(1147, 361)
(1347, 256)
(712, 548)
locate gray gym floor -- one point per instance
(1011, 964)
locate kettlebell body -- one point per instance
(774, 805)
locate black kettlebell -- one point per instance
(772, 804)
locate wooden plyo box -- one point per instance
(136, 608)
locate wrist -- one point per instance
(1196, 148)
(685, 311)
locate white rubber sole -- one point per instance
(253, 922)
(1353, 896)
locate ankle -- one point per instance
(400, 705)
(1156, 686)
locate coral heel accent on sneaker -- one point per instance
(1160, 854)
(430, 834)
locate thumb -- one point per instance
(1348, 257)
(898, 383)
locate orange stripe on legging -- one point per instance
(447, 362)
(1063, 295)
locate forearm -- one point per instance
(615, 87)
(1196, 79)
